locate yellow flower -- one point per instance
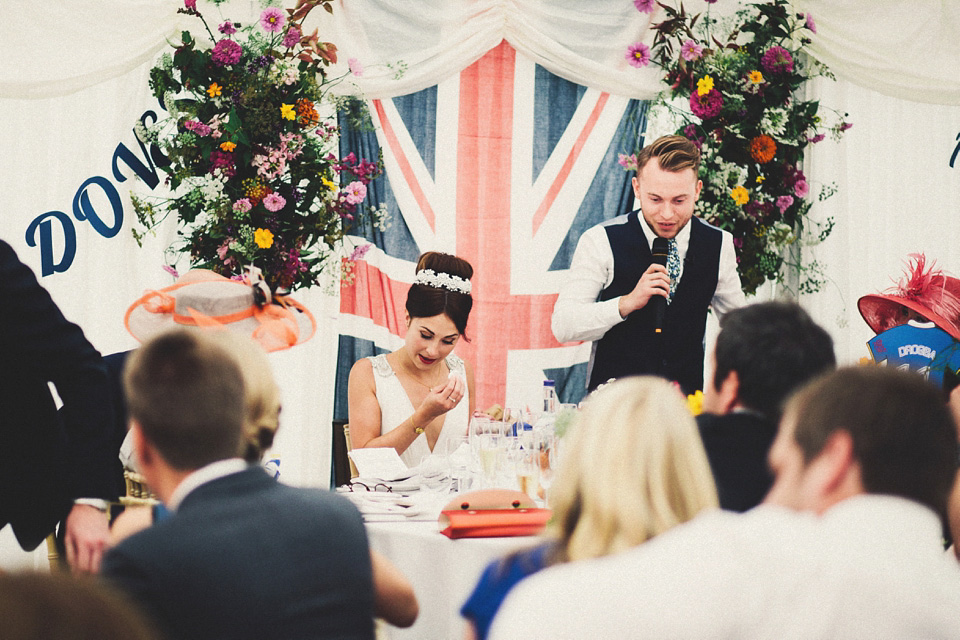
(704, 85)
(288, 111)
(740, 195)
(760, 179)
(755, 77)
(214, 90)
(263, 238)
(328, 184)
(695, 402)
(227, 146)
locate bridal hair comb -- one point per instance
(431, 278)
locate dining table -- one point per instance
(443, 572)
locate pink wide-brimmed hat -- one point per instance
(929, 292)
(202, 298)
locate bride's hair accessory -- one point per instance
(448, 281)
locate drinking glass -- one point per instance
(459, 458)
(547, 451)
(528, 472)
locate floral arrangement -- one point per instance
(740, 102)
(253, 164)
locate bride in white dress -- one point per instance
(421, 395)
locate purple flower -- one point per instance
(710, 1)
(706, 106)
(690, 50)
(811, 24)
(355, 67)
(801, 189)
(197, 127)
(292, 37)
(783, 203)
(817, 138)
(845, 126)
(226, 52)
(190, 4)
(171, 271)
(355, 192)
(628, 162)
(777, 60)
(645, 6)
(227, 28)
(274, 202)
(638, 55)
(272, 20)
(359, 252)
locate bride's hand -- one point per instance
(444, 397)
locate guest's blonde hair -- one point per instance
(261, 393)
(633, 466)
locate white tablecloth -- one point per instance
(443, 572)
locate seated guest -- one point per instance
(396, 601)
(242, 556)
(633, 467)
(763, 353)
(421, 394)
(847, 545)
(44, 606)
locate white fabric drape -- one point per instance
(409, 46)
(908, 50)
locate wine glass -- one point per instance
(528, 472)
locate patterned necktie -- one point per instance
(673, 267)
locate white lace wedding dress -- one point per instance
(395, 407)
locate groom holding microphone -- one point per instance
(640, 285)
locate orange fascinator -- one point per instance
(202, 298)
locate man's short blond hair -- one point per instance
(674, 153)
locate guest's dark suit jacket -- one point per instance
(47, 459)
(245, 556)
(737, 445)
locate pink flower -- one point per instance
(711, 1)
(171, 271)
(272, 20)
(292, 37)
(777, 60)
(242, 205)
(645, 6)
(638, 55)
(227, 28)
(197, 127)
(226, 52)
(355, 192)
(274, 202)
(811, 24)
(690, 50)
(359, 252)
(845, 126)
(706, 106)
(355, 67)
(783, 203)
(801, 189)
(628, 162)
(222, 249)
(190, 4)
(817, 138)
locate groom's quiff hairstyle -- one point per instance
(674, 153)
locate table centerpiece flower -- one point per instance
(739, 98)
(253, 165)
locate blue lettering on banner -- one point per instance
(956, 150)
(40, 231)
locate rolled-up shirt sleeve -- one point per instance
(578, 315)
(729, 294)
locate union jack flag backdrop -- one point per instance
(504, 165)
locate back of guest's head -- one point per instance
(633, 466)
(673, 153)
(774, 348)
(903, 434)
(260, 390)
(186, 392)
(62, 606)
(438, 294)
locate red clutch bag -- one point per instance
(490, 513)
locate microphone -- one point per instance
(661, 247)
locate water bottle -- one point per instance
(549, 397)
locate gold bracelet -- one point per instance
(417, 430)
